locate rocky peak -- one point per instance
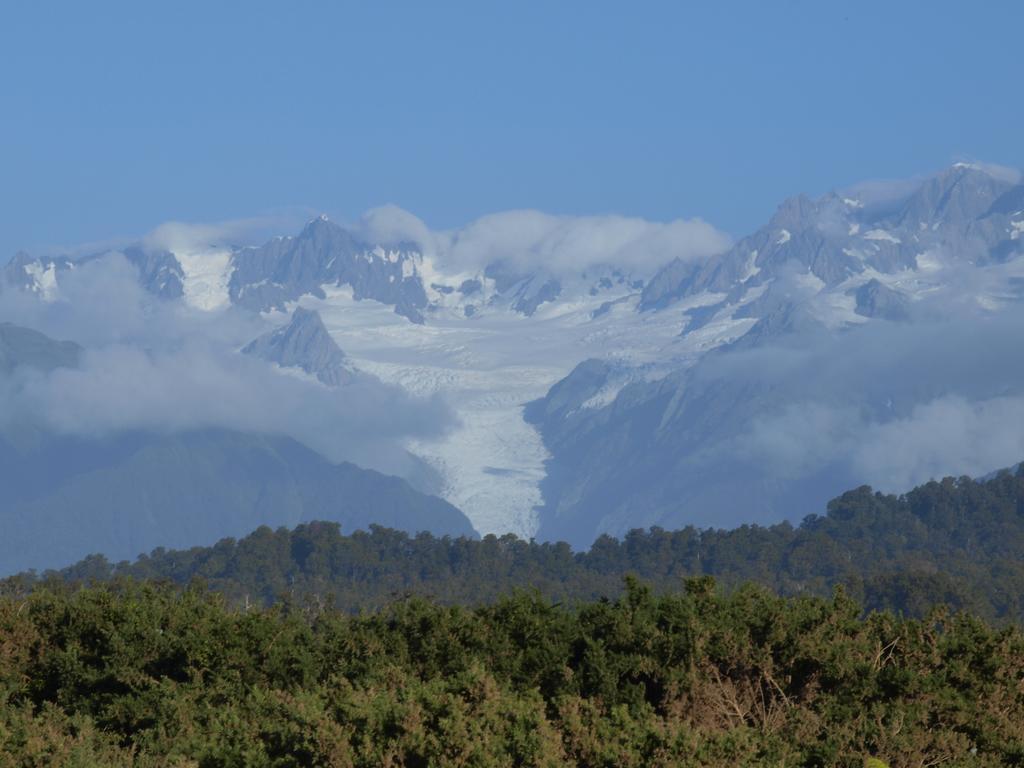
(304, 343)
(953, 197)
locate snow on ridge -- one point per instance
(488, 368)
(44, 279)
(928, 261)
(855, 253)
(750, 269)
(207, 274)
(881, 234)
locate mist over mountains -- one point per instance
(876, 341)
(558, 377)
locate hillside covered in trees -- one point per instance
(956, 542)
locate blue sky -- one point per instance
(115, 117)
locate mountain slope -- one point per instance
(26, 347)
(125, 495)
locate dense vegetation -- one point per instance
(957, 542)
(157, 676)
(374, 649)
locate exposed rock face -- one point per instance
(304, 343)
(159, 270)
(876, 300)
(35, 275)
(287, 268)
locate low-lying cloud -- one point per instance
(161, 366)
(888, 405)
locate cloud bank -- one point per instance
(163, 367)
(530, 239)
(177, 236)
(889, 405)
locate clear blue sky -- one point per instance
(115, 117)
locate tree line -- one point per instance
(956, 542)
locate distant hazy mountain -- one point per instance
(23, 346)
(62, 497)
(842, 239)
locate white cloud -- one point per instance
(177, 236)
(200, 385)
(890, 406)
(882, 192)
(996, 171)
(530, 239)
(160, 366)
(391, 224)
(943, 437)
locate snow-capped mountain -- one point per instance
(160, 271)
(868, 335)
(325, 256)
(324, 253)
(642, 374)
(840, 243)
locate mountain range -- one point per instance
(849, 315)
(868, 335)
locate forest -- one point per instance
(955, 542)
